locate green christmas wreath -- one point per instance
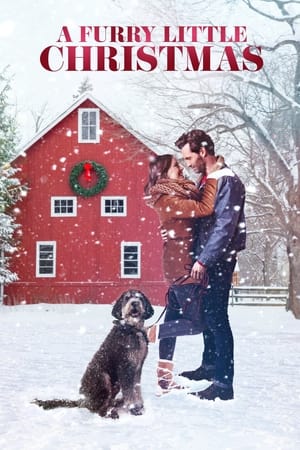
(87, 167)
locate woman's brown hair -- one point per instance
(158, 168)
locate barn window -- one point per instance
(63, 206)
(113, 206)
(130, 259)
(88, 125)
(46, 259)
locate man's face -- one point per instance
(194, 160)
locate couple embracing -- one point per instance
(204, 229)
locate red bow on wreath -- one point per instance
(87, 167)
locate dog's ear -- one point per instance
(149, 311)
(117, 308)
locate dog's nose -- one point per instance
(135, 304)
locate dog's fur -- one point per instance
(116, 367)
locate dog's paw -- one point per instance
(113, 414)
(136, 410)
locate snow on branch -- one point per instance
(271, 89)
(293, 42)
(249, 121)
(280, 4)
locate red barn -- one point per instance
(86, 233)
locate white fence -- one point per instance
(258, 295)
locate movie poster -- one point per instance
(231, 68)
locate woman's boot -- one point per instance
(165, 377)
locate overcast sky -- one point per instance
(28, 27)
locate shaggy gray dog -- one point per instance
(112, 380)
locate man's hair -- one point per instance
(197, 139)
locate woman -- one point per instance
(177, 202)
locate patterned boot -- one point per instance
(165, 377)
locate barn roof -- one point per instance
(69, 110)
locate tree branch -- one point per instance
(250, 122)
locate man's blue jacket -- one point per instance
(222, 235)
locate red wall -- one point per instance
(88, 246)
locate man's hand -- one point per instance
(198, 271)
(164, 234)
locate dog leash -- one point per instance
(130, 328)
(162, 313)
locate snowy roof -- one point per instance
(69, 110)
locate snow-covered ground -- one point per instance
(44, 350)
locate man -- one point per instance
(218, 238)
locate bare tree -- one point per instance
(254, 118)
(268, 109)
(85, 86)
(39, 116)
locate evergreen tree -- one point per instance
(10, 188)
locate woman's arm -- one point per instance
(179, 208)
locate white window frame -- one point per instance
(125, 244)
(81, 111)
(112, 214)
(38, 260)
(66, 214)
